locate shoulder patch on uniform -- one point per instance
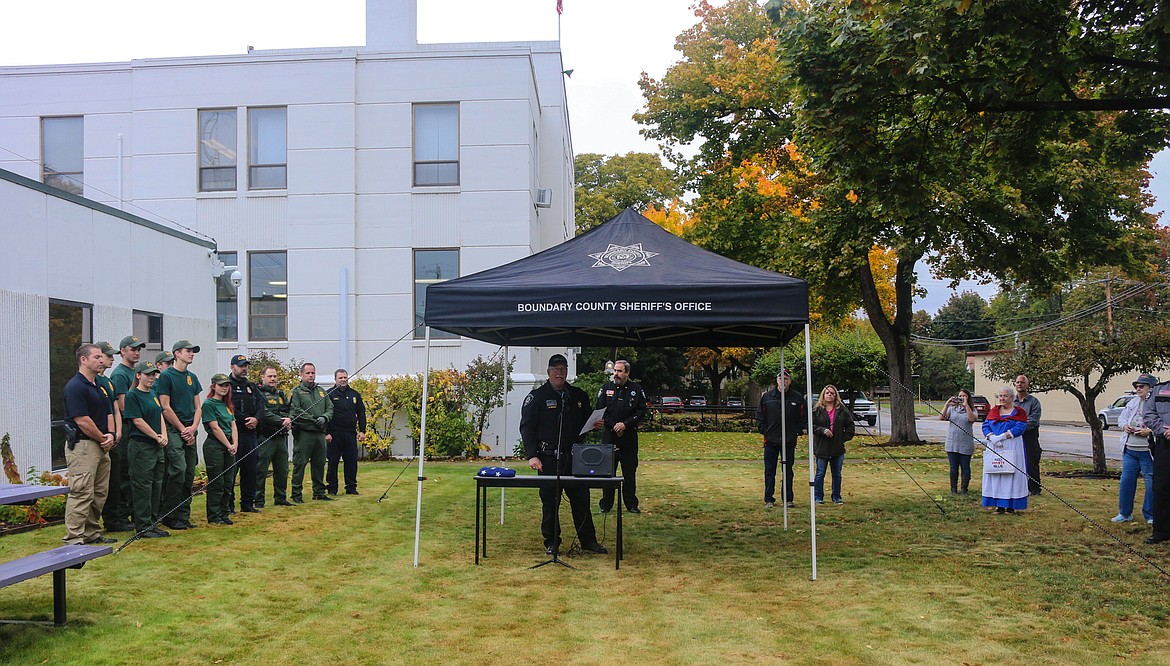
(527, 400)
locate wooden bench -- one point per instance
(54, 561)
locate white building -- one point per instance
(57, 291)
(339, 182)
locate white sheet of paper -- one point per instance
(593, 418)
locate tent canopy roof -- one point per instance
(626, 282)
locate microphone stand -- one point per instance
(556, 559)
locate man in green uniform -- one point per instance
(310, 411)
(274, 427)
(106, 385)
(178, 390)
(163, 360)
(119, 504)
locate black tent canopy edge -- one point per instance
(626, 282)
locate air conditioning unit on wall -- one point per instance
(543, 198)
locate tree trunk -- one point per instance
(895, 337)
(1088, 402)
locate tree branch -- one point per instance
(1104, 104)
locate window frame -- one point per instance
(155, 345)
(233, 167)
(419, 317)
(77, 177)
(414, 143)
(227, 277)
(56, 408)
(266, 165)
(253, 317)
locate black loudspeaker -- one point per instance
(593, 460)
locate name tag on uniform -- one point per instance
(550, 403)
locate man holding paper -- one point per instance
(624, 403)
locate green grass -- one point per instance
(709, 577)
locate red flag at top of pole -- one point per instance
(560, 9)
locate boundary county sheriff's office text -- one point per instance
(614, 306)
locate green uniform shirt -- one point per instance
(107, 388)
(123, 379)
(215, 410)
(146, 406)
(306, 404)
(182, 387)
(275, 409)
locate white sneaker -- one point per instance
(1149, 521)
(769, 505)
(1122, 519)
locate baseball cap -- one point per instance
(240, 359)
(220, 378)
(557, 359)
(145, 367)
(132, 342)
(164, 357)
(106, 348)
(184, 344)
(1145, 378)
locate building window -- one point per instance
(62, 141)
(436, 144)
(227, 312)
(267, 154)
(431, 266)
(70, 324)
(148, 326)
(217, 150)
(268, 295)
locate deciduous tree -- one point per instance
(607, 185)
(1082, 356)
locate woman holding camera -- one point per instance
(960, 444)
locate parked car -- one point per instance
(733, 402)
(862, 407)
(982, 407)
(1108, 415)
(696, 401)
(670, 404)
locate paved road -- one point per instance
(1066, 442)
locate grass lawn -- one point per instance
(709, 577)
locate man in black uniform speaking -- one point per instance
(553, 414)
(625, 407)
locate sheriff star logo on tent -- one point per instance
(621, 257)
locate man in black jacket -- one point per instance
(625, 407)
(781, 418)
(551, 417)
(347, 428)
(248, 406)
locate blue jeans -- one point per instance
(1133, 462)
(819, 481)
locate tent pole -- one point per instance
(812, 466)
(422, 447)
(506, 376)
(783, 447)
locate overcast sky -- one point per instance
(607, 44)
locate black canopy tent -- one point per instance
(626, 282)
